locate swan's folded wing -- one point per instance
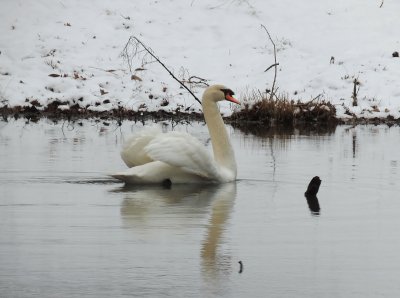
(183, 150)
(133, 153)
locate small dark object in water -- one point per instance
(241, 267)
(313, 187)
(311, 194)
(167, 183)
(395, 54)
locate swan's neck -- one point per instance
(223, 152)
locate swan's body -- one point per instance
(177, 157)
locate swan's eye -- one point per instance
(228, 92)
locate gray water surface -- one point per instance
(68, 230)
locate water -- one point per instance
(67, 230)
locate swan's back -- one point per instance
(182, 150)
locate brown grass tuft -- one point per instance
(262, 108)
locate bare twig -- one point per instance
(316, 97)
(111, 71)
(136, 42)
(275, 65)
(310, 102)
(381, 3)
(125, 17)
(197, 81)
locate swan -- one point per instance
(154, 157)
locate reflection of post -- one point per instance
(311, 195)
(354, 144)
(313, 204)
(222, 206)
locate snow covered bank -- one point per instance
(71, 51)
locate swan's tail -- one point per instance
(150, 173)
(133, 176)
(157, 172)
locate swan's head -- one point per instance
(219, 92)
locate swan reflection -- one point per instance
(150, 208)
(223, 200)
(178, 203)
(216, 263)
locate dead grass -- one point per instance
(261, 108)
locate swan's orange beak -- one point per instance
(230, 98)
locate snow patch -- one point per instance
(322, 46)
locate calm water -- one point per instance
(67, 230)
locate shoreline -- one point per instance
(75, 113)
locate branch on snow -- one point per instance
(275, 65)
(137, 46)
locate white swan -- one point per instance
(177, 157)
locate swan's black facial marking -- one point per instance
(228, 92)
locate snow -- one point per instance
(80, 44)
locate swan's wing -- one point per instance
(133, 153)
(184, 151)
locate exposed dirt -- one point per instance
(75, 112)
(318, 116)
